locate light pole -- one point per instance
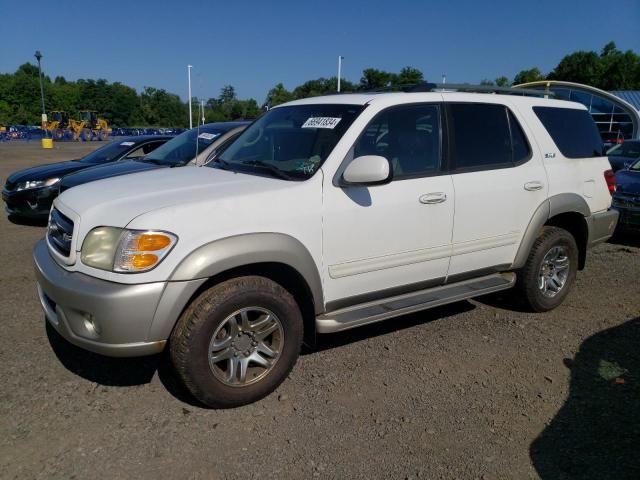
(190, 115)
(340, 58)
(38, 56)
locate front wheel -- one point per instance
(237, 341)
(550, 270)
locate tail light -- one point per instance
(610, 179)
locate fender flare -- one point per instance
(555, 205)
(225, 254)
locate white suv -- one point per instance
(326, 214)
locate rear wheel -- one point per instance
(86, 135)
(237, 341)
(550, 270)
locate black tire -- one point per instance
(190, 341)
(529, 276)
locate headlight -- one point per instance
(127, 251)
(36, 184)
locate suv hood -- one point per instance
(117, 201)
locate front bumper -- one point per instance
(118, 320)
(601, 226)
(30, 203)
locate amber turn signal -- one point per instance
(149, 242)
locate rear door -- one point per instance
(499, 182)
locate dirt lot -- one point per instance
(478, 389)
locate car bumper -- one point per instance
(601, 226)
(629, 217)
(30, 203)
(118, 320)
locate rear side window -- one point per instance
(573, 131)
(485, 136)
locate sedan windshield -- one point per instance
(626, 149)
(184, 147)
(109, 153)
(636, 166)
(290, 143)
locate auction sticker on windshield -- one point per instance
(321, 122)
(208, 136)
(127, 144)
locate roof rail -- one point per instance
(461, 87)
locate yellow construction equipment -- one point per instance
(57, 125)
(90, 127)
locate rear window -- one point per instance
(573, 131)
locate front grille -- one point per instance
(60, 232)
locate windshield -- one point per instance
(636, 166)
(290, 142)
(627, 149)
(182, 149)
(108, 153)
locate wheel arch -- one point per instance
(276, 256)
(566, 210)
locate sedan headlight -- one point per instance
(36, 184)
(126, 251)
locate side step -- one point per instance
(371, 312)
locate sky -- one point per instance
(254, 45)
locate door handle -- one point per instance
(533, 186)
(433, 198)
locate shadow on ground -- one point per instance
(27, 221)
(123, 372)
(626, 238)
(596, 434)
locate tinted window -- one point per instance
(520, 147)
(480, 135)
(573, 131)
(626, 149)
(407, 136)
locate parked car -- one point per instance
(323, 215)
(624, 154)
(626, 198)
(193, 146)
(29, 193)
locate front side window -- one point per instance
(290, 143)
(572, 130)
(481, 136)
(409, 136)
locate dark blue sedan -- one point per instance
(626, 198)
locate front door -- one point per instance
(386, 239)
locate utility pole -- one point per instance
(202, 106)
(190, 114)
(340, 58)
(38, 56)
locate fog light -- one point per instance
(91, 325)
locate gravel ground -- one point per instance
(478, 389)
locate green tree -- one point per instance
(486, 81)
(408, 76)
(373, 78)
(526, 76)
(502, 81)
(278, 95)
(579, 67)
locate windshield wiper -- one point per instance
(149, 160)
(267, 166)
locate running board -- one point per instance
(371, 312)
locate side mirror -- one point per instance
(367, 170)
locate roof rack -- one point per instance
(463, 87)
